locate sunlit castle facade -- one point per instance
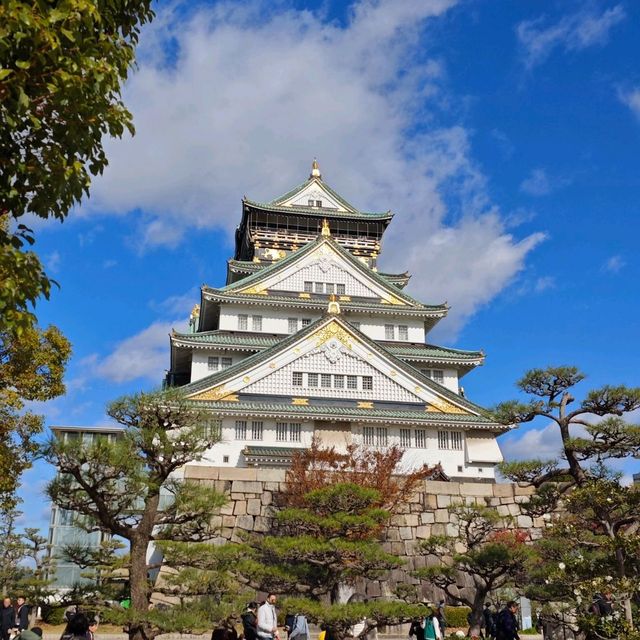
(307, 338)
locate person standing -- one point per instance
(489, 621)
(268, 619)
(22, 614)
(432, 630)
(507, 622)
(7, 618)
(250, 621)
(442, 619)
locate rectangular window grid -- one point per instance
(256, 322)
(308, 287)
(319, 287)
(382, 436)
(355, 325)
(325, 380)
(212, 363)
(282, 431)
(241, 429)
(295, 429)
(421, 438)
(443, 439)
(338, 381)
(437, 375)
(340, 289)
(403, 332)
(256, 430)
(225, 363)
(306, 322)
(367, 383)
(456, 440)
(405, 437)
(312, 379)
(243, 322)
(352, 382)
(368, 436)
(389, 332)
(293, 324)
(296, 380)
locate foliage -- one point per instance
(62, 66)
(127, 487)
(318, 467)
(31, 369)
(487, 550)
(457, 617)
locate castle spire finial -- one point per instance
(315, 170)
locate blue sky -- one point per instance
(505, 136)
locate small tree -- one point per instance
(486, 551)
(130, 487)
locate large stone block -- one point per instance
(440, 487)
(198, 472)
(428, 518)
(502, 489)
(261, 524)
(228, 521)
(245, 522)
(524, 490)
(430, 501)
(503, 510)
(393, 534)
(442, 515)
(412, 520)
(476, 489)
(253, 507)
(237, 473)
(246, 486)
(240, 508)
(272, 475)
(406, 533)
(525, 522)
(443, 501)
(423, 531)
(266, 497)
(227, 509)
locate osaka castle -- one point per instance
(308, 339)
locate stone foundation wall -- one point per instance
(251, 495)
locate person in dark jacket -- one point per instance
(77, 628)
(489, 621)
(507, 622)
(7, 618)
(250, 621)
(22, 614)
(30, 634)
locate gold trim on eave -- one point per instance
(216, 393)
(446, 407)
(300, 401)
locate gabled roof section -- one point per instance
(254, 283)
(223, 384)
(314, 188)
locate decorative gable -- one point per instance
(314, 194)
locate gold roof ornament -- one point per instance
(334, 305)
(315, 170)
(195, 311)
(326, 232)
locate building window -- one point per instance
(450, 440)
(421, 438)
(312, 379)
(293, 324)
(212, 363)
(367, 436)
(328, 287)
(443, 439)
(352, 382)
(310, 203)
(256, 322)
(241, 429)
(389, 332)
(295, 428)
(340, 289)
(367, 383)
(308, 287)
(282, 430)
(403, 332)
(65, 517)
(225, 459)
(297, 379)
(243, 322)
(459, 468)
(319, 287)
(325, 380)
(225, 363)
(437, 375)
(306, 322)
(256, 430)
(456, 440)
(381, 436)
(318, 203)
(405, 437)
(338, 381)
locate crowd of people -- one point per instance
(14, 618)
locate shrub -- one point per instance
(457, 616)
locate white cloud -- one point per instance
(543, 443)
(543, 283)
(613, 264)
(632, 99)
(537, 184)
(53, 261)
(574, 32)
(254, 93)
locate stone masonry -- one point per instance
(251, 504)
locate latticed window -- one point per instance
(282, 431)
(443, 440)
(296, 379)
(340, 289)
(295, 429)
(212, 363)
(403, 332)
(293, 324)
(211, 429)
(382, 436)
(256, 322)
(325, 380)
(328, 287)
(421, 438)
(225, 363)
(308, 286)
(312, 379)
(405, 437)
(389, 332)
(368, 436)
(338, 381)
(352, 382)
(437, 375)
(241, 429)
(243, 321)
(306, 322)
(319, 287)
(456, 440)
(256, 430)
(367, 383)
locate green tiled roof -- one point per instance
(319, 212)
(320, 412)
(271, 452)
(245, 364)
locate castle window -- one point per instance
(456, 440)
(381, 436)
(368, 436)
(212, 363)
(256, 323)
(367, 383)
(312, 379)
(450, 440)
(340, 289)
(443, 439)
(352, 382)
(308, 286)
(225, 458)
(328, 287)
(241, 429)
(310, 203)
(319, 287)
(421, 438)
(325, 380)
(405, 437)
(297, 379)
(338, 381)
(243, 322)
(225, 363)
(403, 332)
(256, 430)
(389, 332)
(282, 431)
(295, 429)
(306, 322)
(318, 203)
(437, 375)
(293, 324)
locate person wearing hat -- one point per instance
(431, 625)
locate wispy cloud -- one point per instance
(632, 99)
(53, 261)
(614, 264)
(544, 283)
(254, 92)
(539, 183)
(575, 32)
